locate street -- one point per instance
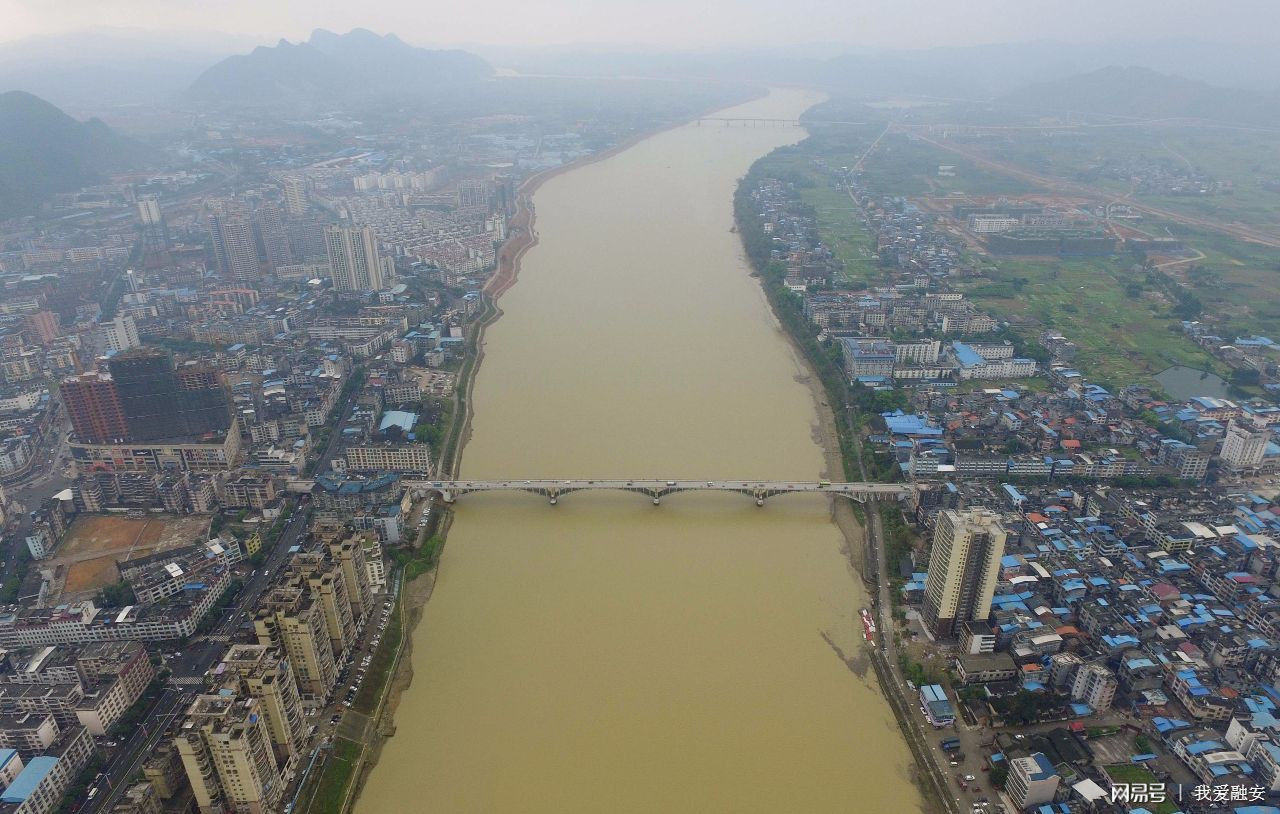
(195, 660)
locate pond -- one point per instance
(1182, 382)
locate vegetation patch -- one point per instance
(329, 790)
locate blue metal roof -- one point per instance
(966, 356)
(28, 779)
(399, 418)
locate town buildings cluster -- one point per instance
(251, 368)
(1093, 568)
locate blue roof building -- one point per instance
(29, 779)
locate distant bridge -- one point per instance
(553, 490)
(734, 121)
(738, 122)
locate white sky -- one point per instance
(672, 23)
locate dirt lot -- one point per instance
(94, 543)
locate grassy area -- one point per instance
(1121, 322)
(1137, 773)
(843, 232)
(902, 165)
(1238, 282)
(1247, 283)
(837, 217)
(384, 659)
(1129, 773)
(330, 788)
(1124, 328)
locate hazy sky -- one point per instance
(674, 23)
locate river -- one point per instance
(606, 654)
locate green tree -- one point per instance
(999, 775)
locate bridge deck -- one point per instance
(553, 488)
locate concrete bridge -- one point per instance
(451, 490)
(737, 122)
(728, 121)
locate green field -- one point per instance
(327, 792)
(1122, 338)
(1124, 323)
(1239, 283)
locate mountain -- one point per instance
(43, 151)
(329, 65)
(976, 72)
(1146, 94)
(103, 67)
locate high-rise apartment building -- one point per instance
(160, 402)
(120, 334)
(155, 233)
(273, 240)
(353, 258)
(44, 325)
(349, 554)
(473, 194)
(328, 586)
(295, 196)
(261, 672)
(290, 619)
(226, 751)
(149, 211)
(964, 567)
(1244, 445)
(94, 408)
(234, 246)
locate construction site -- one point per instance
(86, 560)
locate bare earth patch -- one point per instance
(95, 543)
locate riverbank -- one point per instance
(839, 437)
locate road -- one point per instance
(344, 410)
(192, 664)
(127, 762)
(46, 479)
(905, 703)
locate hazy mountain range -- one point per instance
(43, 151)
(967, 72)
(112, 65)
(332, 65)
(1147, 94)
